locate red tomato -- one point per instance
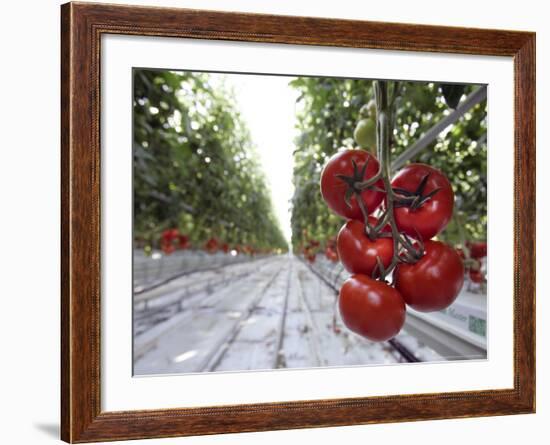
(225, 247)
(431, 217)
(183, 241)
(311, 258)
(331, 254)
(358, 252)
(168, 248)
(476, 276)
(460, 253)
(211, 245)
(167, 240)
(477, 249)
(169, 235)
(334, 189)
(371, 308)
(314, 243)
(433, 283)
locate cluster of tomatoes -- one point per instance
(331, 251)
(312, 247)
(473, 262)
(309, 250)
(213, 245)
(172, 240)
(427, 274)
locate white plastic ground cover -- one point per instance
(121, 391)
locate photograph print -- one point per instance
(287, 222)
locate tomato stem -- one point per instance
(384, 127)
(369, 230)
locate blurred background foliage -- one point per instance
(329, 110)
(195, 167)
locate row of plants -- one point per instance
(197, 178)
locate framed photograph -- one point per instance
(274, 222)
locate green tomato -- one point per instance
(365, 133)
(368, 110)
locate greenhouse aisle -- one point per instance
(263, 313)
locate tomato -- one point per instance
(460, 253)
(333, 188)
(167, 240)
(365, 133)
(169, 235)
(477, 249)
(168, 248)
(476, 276)
(331, 254)
(358, 252)
(331, 242)
(434, 282)
(311, 258)
(368, 110)
(371, 308)
(183, 241)
(314, 243)
(211, 245)
(225, 247)
(431, 216)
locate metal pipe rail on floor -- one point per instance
(174, 277)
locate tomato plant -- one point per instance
(434, 281)
(425, 201)
(341, 174)
(371, 308)
(358, 253)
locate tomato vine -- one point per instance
(427, 274)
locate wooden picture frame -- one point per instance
(83, 24)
